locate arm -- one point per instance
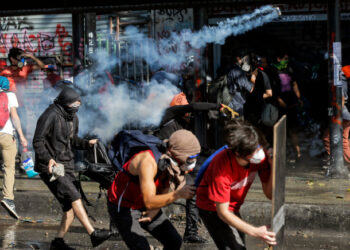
(39, 64)
(233, 220)
(79, 143)
(296, 89)
(43, 127)
(17, 124)
(147, 170)
(267, 94)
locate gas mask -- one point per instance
(257, 157)
(21, 62)
(245, 65)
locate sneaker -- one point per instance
(194, 238)
(59, 244)
(9, 205)
(99, 236)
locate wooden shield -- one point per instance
(279, 181)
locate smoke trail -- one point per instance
(171, 52)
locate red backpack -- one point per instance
(4, 110)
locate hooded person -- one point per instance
(55, 138)
(140, 191)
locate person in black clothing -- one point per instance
(54, 140)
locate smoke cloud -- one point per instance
(106, 108)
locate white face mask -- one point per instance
(258, 157)
(184, 167)
(188, 167)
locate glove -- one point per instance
(228, 111)
(57, 170)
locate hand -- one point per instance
(92, 142)
(187, 191)
(147, 216)
(52, 163)
(24, 142)
(266, 236)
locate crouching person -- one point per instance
(55, 137)
(226, 182)
(143, 187)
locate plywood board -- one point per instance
(278, 185)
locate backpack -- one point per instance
(218, 91)
(205, 165)
(269, 114)
(127, 143)
(4, 109)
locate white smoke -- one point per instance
(104, 113)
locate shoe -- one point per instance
(194, 238)
(59, 244)
(99, 235)
(9, 205)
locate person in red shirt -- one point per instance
(140, 191)
(225, 185)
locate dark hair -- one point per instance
(14, 53)
(242, 137)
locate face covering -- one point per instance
(188, 166)
(258, 157)
(72, 109)
(281, 65)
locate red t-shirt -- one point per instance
(226, 181)
(18, 79)
(129, 191)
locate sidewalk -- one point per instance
(313, 202)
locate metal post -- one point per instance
(335, 86)
(78, 42)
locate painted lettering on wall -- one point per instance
(20, 32)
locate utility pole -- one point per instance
(335, 94)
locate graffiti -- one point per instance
(62, 34)
(40, 43)
(15, 23)
(177, 15)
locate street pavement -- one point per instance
(317, 213)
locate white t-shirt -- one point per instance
(12, 102)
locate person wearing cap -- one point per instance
(226, 182)
(8, 144)
(136, 206)
(54, 140)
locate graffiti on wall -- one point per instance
(172, 20)
(21, 32)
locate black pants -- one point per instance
(132, 231)
(64, 188)
(224, 236)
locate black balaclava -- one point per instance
(66, 97)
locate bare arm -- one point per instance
(267, 94)
(296, 89)
(147, 169)
(39, 63)
(233, 220)
(17, 124)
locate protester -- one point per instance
(262, 90)
(289, 98)
(10, 119)
(17, 73)
(238, 84)
(226, 182)
(345, 78)
(135, 205)
(54, 140)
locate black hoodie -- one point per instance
(56, 133)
